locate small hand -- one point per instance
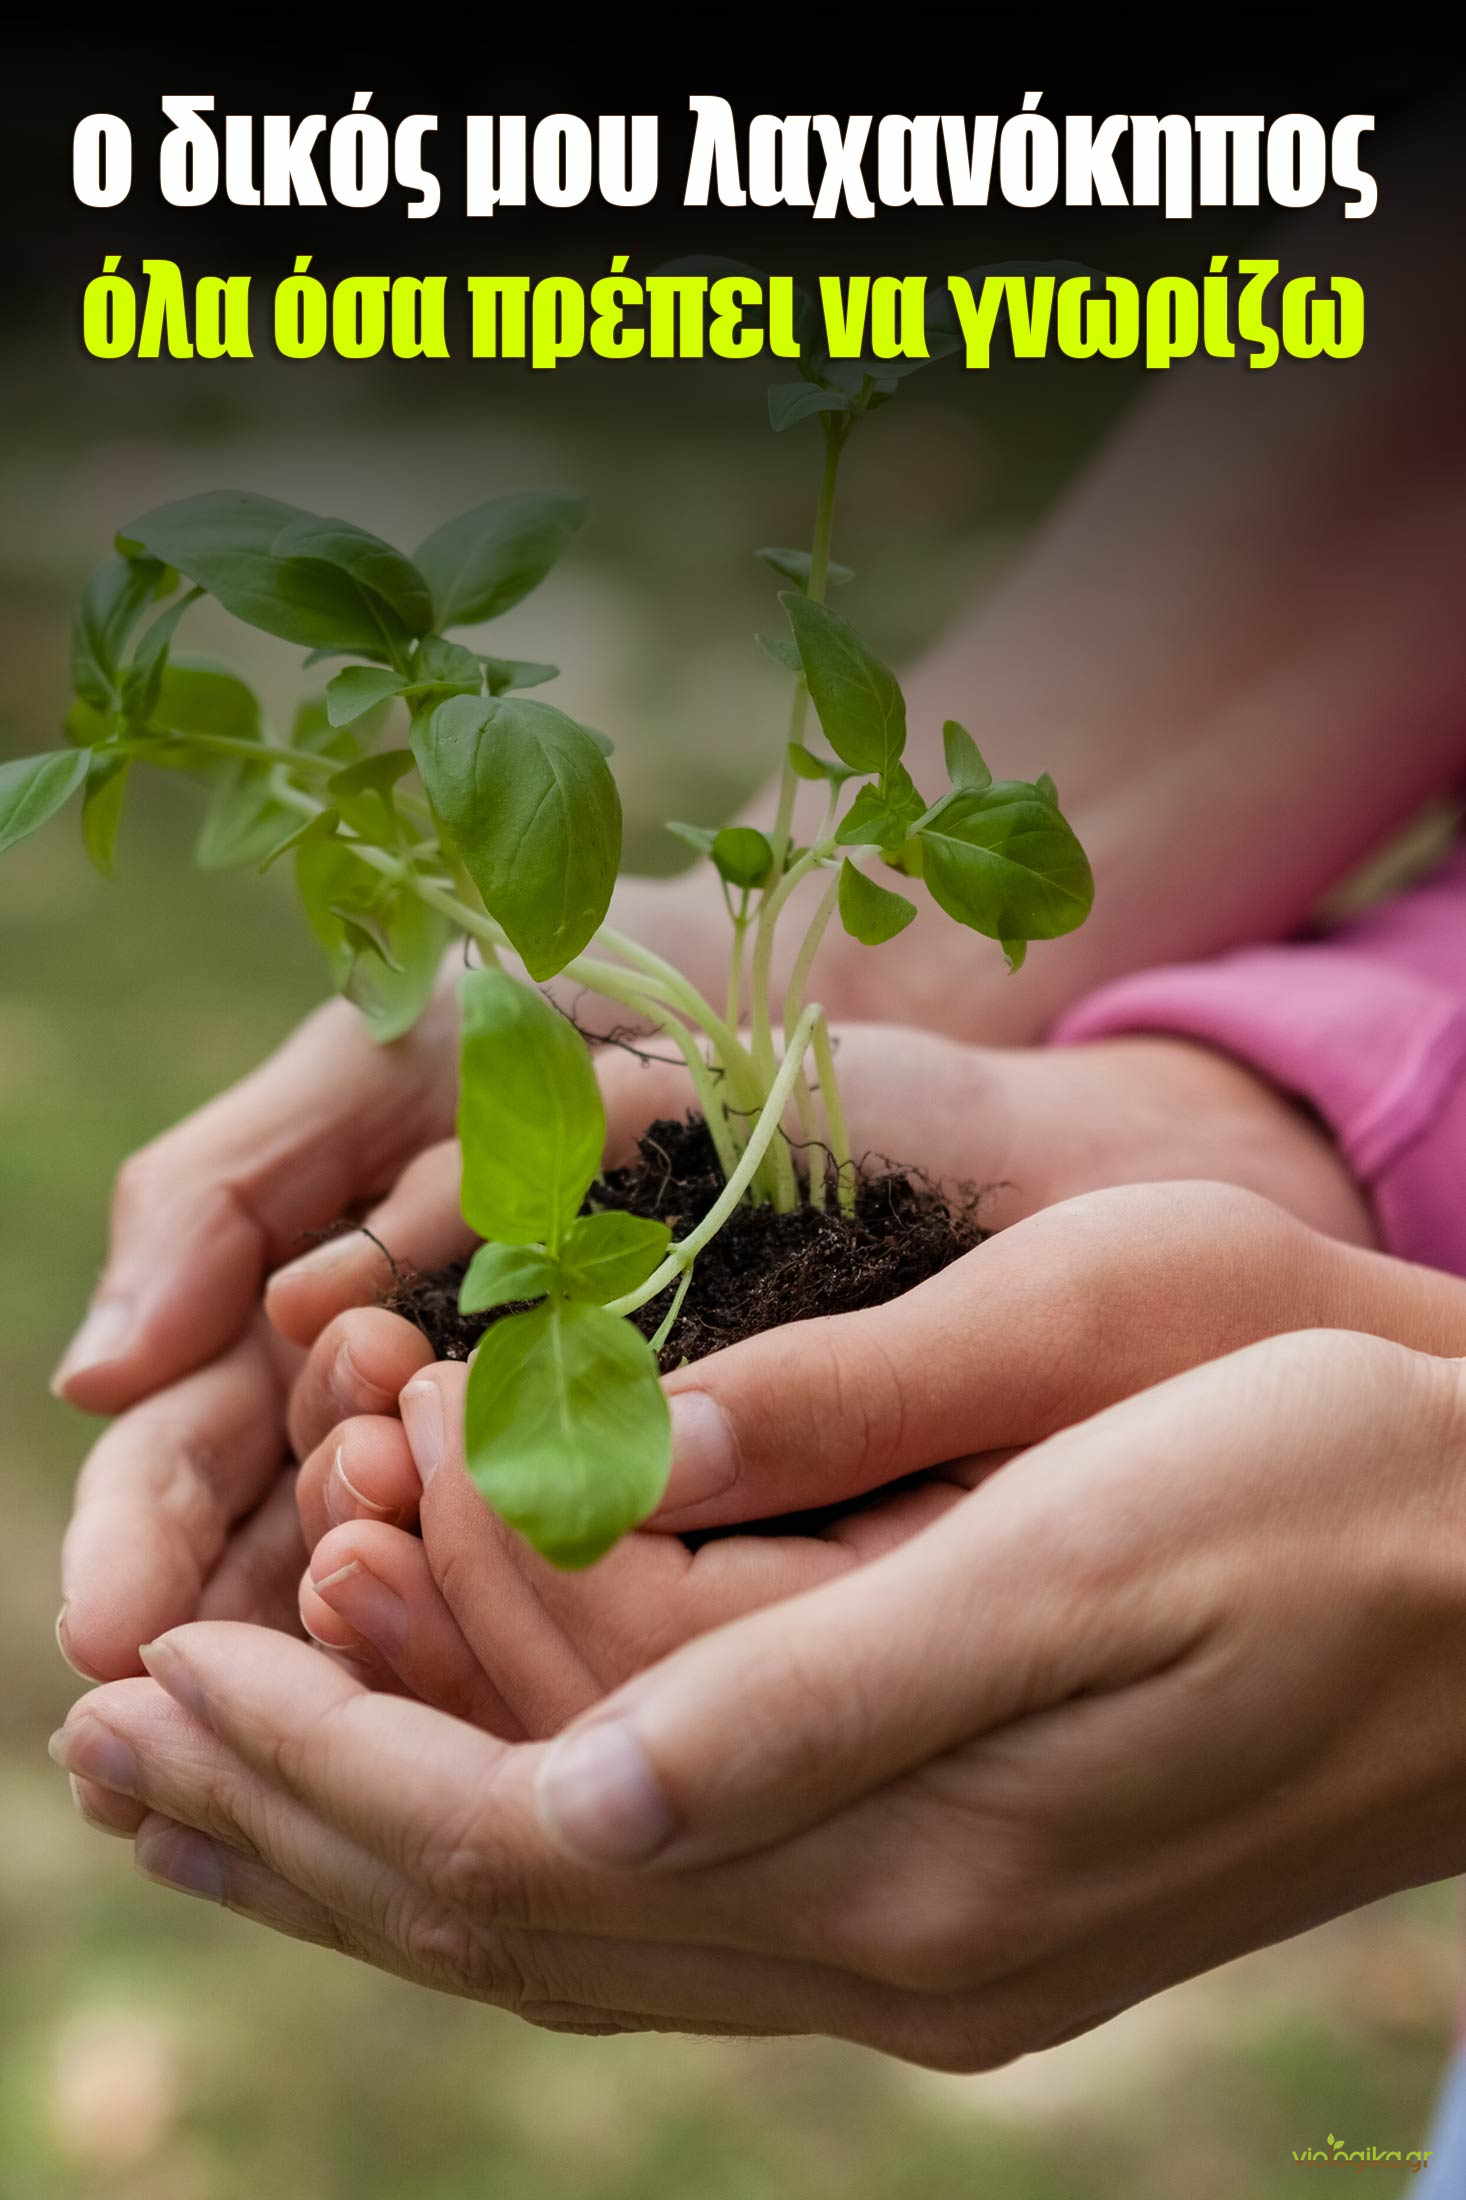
(1023, 1127)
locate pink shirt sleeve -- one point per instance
(1368, 1024)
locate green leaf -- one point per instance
(965, 766)
(504, 673)
(320, 827)
(1047, 789)
(312, 729)
(567, 1430)
(352, 693)
(362, 792)
(530, 1121)
(34, 788)
(781, 648)
(794, 565)
(1006, 862)
(882, 817)
(606, 1254)
(195, 696)
(499, 1275)
(339, 589)
(101, 808)
(700, 837)
(743, 856)
(382, 945)
(861, 709)
(142, 679)
(116, 594)
(439, 663)
(244, 822)
(533, 811)
(871, 913)
(381, 575)
(1015, 950)
(484, 562)
(791, 402)
(806, 765)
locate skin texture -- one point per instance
(1218, 789)
(907, 1407)
(1031, 1766)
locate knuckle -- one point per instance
(445, 1947)
(942, 1933)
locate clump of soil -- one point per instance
(762, 1269)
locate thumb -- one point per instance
(985, 1355)
(1055, 1317)
(200, 1214)
(769, 1725)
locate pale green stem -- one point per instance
(809, 948)
(824, 1063)
(735, 973)
(836, 430)
(668, 1321)
(766, 1130)
(793, 1003)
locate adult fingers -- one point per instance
(1022, 1597)
(357, 1365)
(370, 1593)
(1050, 1320)
(364, 1470)
(409, 1824)
(555, 1642)
(156, 1502)
(415, 1229)
(202, 1212)
(256, 1576)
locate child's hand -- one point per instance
(1036, 1126)
(1065, 1313)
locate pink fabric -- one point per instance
(1368, 1024)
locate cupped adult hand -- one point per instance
(906, 1405)
(182, 1506)
(1173, 1684)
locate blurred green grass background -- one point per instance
(151, 2049)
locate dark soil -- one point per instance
(762, 1269)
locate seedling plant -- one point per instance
(428, 794)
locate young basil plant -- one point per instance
(426, 796)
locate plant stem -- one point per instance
(735, 973)
(846, 1186)
(836, 430)
(764, 1132)
(668, 1322)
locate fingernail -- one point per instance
(599, 1798)
(704, 1455)
(421, 1406)
(344, 1501)
(173, 1673)
(177, 1857)
(367, 1605)
(93, 1752)
(100, 1808)
(102, 1336)
(64, 1646)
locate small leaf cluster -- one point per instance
(567, 1430)
(996, 855)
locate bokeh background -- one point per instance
(150, 2048)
